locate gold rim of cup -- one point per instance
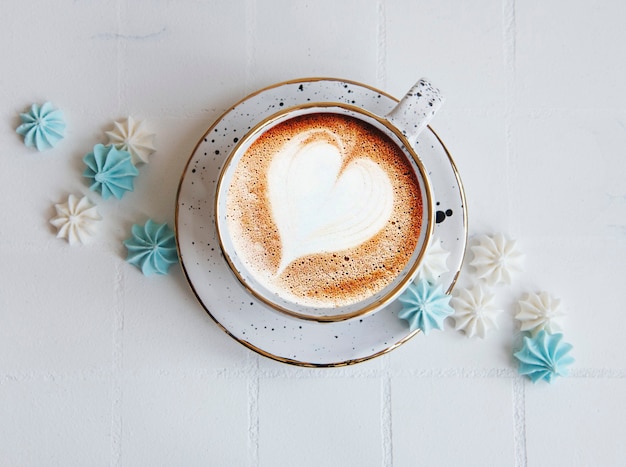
(370, 304)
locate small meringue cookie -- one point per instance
(474, 311)
(540, 312)
(131, 136)
(496, 258)
(152, 248)
(424, 306)
(544, 357)
(42, 127)
(434, 263)
(75, 219)
(109, 171)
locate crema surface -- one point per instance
(324, 210)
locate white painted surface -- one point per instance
(102, 366)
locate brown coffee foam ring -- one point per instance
(336, 278)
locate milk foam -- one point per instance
(320, 204)
(324, 210)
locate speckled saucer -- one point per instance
(259, 327)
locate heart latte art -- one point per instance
(324, 210)
(320, 204)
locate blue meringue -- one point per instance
(544, 356)
(43, 127)
(110, 170)
(424, 306)
(152, 248)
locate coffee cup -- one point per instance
(324, 211)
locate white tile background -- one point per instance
(102, 366)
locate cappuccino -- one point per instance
(324, 210)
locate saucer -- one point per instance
(256, 325)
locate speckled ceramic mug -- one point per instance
(324, 210)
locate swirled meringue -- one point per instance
(544, 357)
(130, 135)
(474, 311)
(424, 306)
(43, 127)
(434, 262)
(152, 248)
(75, 219)
(110, 170)
(540, 312)
(496, 258)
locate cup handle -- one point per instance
(416, 109)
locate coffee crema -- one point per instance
(324, 210)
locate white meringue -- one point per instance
(434, 263)
(540, 312)
(496, 258)
(131, 136)
(75, 219)
(474, 311)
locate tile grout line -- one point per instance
(118, 52)
(116, 371)
(118, 316)
(252, 360)
(386, 415)
(509, 51)
(519, 422)
(381, 45)
(123, 90)
(250, 44)
(308, 373)
(381, 82)
(253, 408)
(305, 373)
(591, 373)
